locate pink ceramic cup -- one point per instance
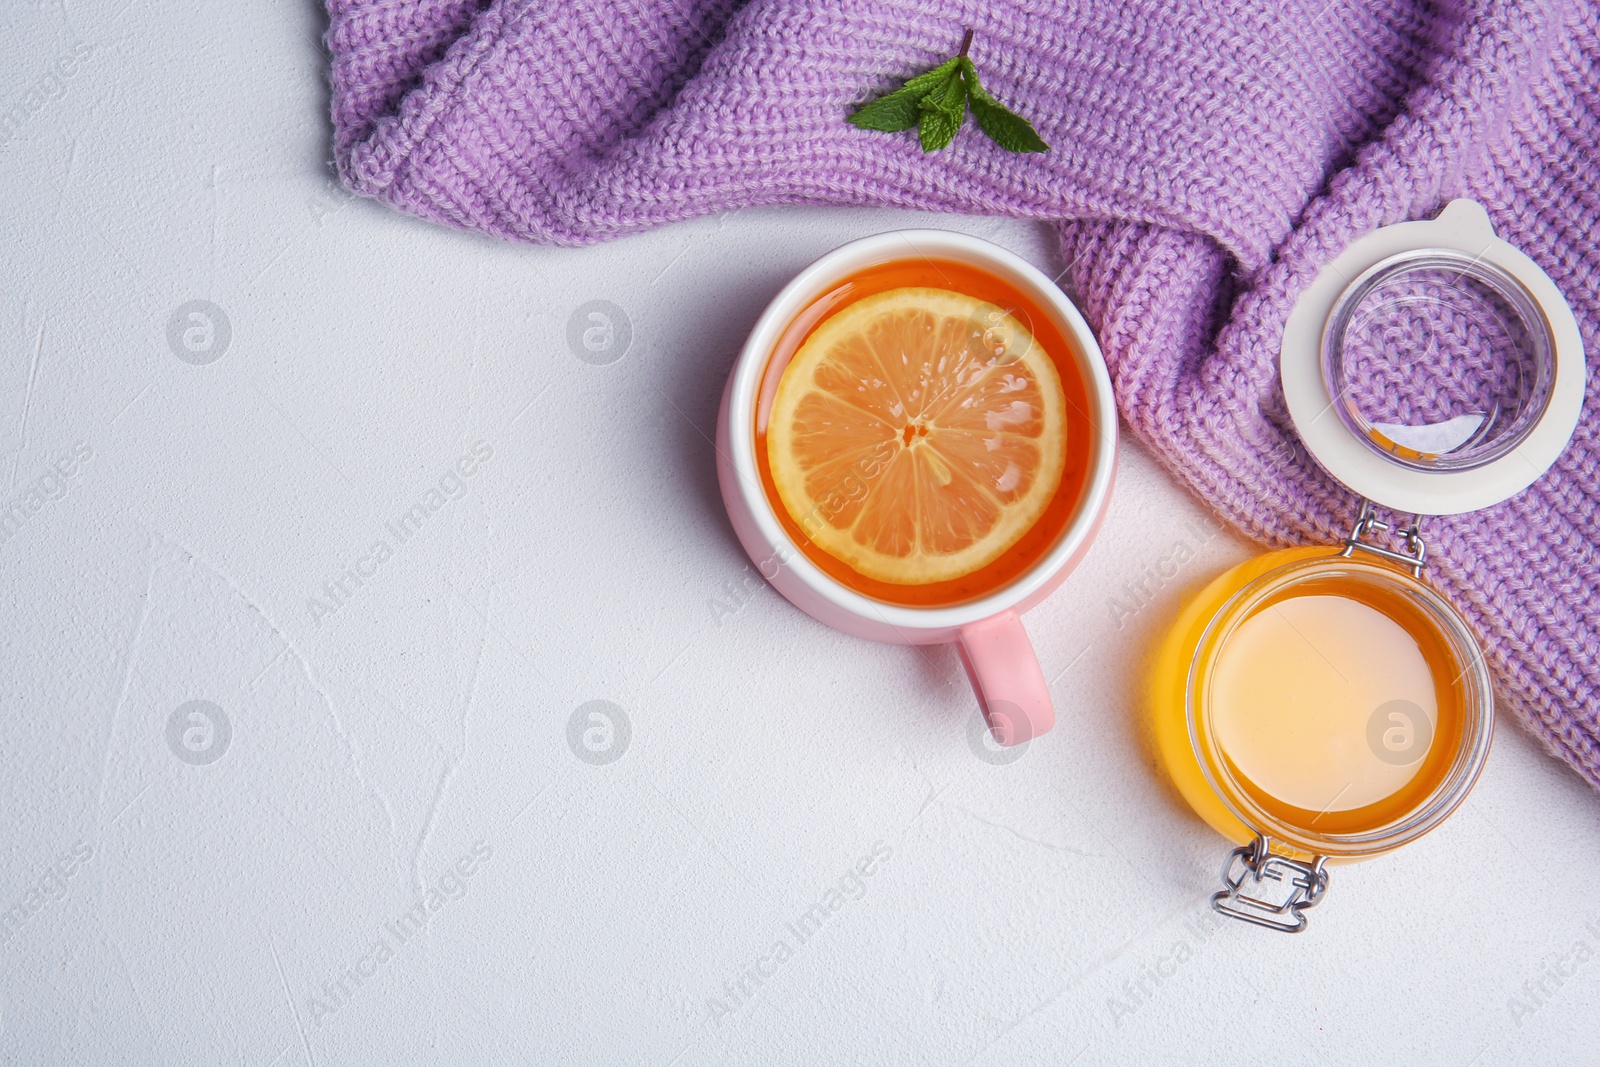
(988, 632)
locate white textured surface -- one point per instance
(1036, 912)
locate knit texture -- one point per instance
(1207, 159)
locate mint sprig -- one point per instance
(936, 102)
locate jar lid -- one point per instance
(1432, 367)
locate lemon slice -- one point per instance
(917, 435)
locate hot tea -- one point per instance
(923, 431)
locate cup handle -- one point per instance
(1005, 675)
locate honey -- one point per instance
(1317, 705)
(1326, 701)
(1328, 710)
(1081, 427)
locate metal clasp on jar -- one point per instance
(1415, 555)
(1269, 890)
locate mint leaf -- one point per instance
(1005, 127)
(936, 103)
(898, 110)
(943, 110)
(938, 128)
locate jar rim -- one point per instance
(1453, 785)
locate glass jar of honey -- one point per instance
(1325, 704)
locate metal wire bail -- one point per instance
(1269, 890)
(1415, 555)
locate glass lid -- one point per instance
(1438, 360)
(1432, 367)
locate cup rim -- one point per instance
(811, 282)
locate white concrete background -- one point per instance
(1048, 911)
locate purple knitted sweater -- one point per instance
(1207, 159)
